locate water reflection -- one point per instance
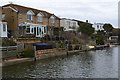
(93, 64)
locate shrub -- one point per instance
(28, 52)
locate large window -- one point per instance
(52, 20)
(39, 18)
(4, 27)
(29, 17)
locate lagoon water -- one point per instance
(92, 64)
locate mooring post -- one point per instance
(35, 53)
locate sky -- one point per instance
(99, 11)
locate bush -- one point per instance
(60, 44)
(28, 52)
(7, 42)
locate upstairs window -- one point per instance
(52, 20)
(74, 24)
(39, 17)
(29, 17)
(30, 14)
(68, 23)
(3, 17)
(20, 16)
(47, 19)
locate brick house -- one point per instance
(3, 25)
(26, 21)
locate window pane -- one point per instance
(46, 19)
(52, 20)
(20, 16)
(29, 17)
(32, 30)
(28, 30)
(40, 30)
(37, 31)
(39, 18)
(3, 17)
(4, 27)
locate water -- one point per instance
(93, 64)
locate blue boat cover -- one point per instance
(42, 44)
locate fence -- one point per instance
(8, 51)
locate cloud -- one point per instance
(94, 10)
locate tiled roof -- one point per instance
(23, 9)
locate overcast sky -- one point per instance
(100, 11)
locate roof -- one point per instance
(80, 22)
(23, 9)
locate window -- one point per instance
(52, 20)
(68, 23)
(32, 30)
(37, 31)
(29, 17)
(4, 27)
(39, 18)
(28, 30)
(30, 14)
(74, 24)
(44, 29)
(40, 30)
(46, 19)
(98, 26)
(3, 17)
(20, 16)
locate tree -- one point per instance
(108, 27)
(86, 28)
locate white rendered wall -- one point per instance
(3, 33)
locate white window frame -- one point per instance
(30, 13)
(4, 27)
(39, 19)
(52, 20)
(3, 16)
(29, 17)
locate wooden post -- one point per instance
(35, 53)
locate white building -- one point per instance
(68, 24)
(3, 29)
(98, 26)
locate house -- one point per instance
(3, 26)
(69, 24)
(113, 38)
(26, 21)
(98, 26)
